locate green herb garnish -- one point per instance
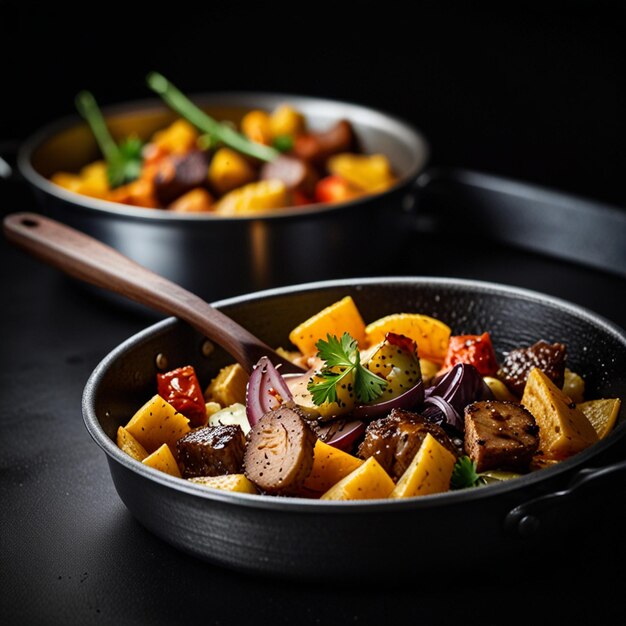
(217, 131)
(124, 162)
(283, 143)
(465, 475)
(342, 359)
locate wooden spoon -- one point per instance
(92, 261)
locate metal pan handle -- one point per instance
(533, 516)
(521, 215)
(8, 167)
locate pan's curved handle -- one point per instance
(8, 156)
(529, 518)
(521, 215)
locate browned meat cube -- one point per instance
(212, 451)
(394, 440)
(548, 357)
(500, 435)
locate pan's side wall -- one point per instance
(223, 258)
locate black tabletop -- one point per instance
(71, 553)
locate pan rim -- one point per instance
(304, 505)
(26, 151)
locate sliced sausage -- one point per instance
(178, 174)
(212, 451)
(296, 173)
(279, 454)
(394, 440)
(548, 357)
(500, 435)
(317, 147)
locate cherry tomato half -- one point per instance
(180, 387)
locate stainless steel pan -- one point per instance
(217, 256)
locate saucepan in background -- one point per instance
(214, 255)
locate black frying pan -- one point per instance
(502, 523)
(221, 256)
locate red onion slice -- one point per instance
(452, 392)
(341, 434)
(409, 399)
(450, 415)
(266, 390)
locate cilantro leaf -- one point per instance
(368, 386)
(338, 352)
(342, 359)
(324, 390)
(125, 166)
(464, 474)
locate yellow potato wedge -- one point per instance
(94, 180)
(330, 465)
(429, 472)
(256, 126)
(368, 172)
(431, 335)
(602, 414)
(563, 428)
(71, 182)
(574, 386)
(258, 197)
(336, 319)
(178, 138)
(230, 482)
(229, 386)
(162, 459)
(228, 170)
(369, 481)
(197, 200)
(157, 422)
(127, 443)
(285, 120)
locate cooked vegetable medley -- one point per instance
(394, 409)
(202, 165)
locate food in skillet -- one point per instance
(394, 409)
(201, 165)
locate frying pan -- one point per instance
(218, 256)
(347, 541)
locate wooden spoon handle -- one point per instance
(92, 261)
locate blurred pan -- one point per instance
(220, 256)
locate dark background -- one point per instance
(537, 93)
(534, 91)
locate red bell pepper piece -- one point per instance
(180, 387)
(476, 350)
(334, 189)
